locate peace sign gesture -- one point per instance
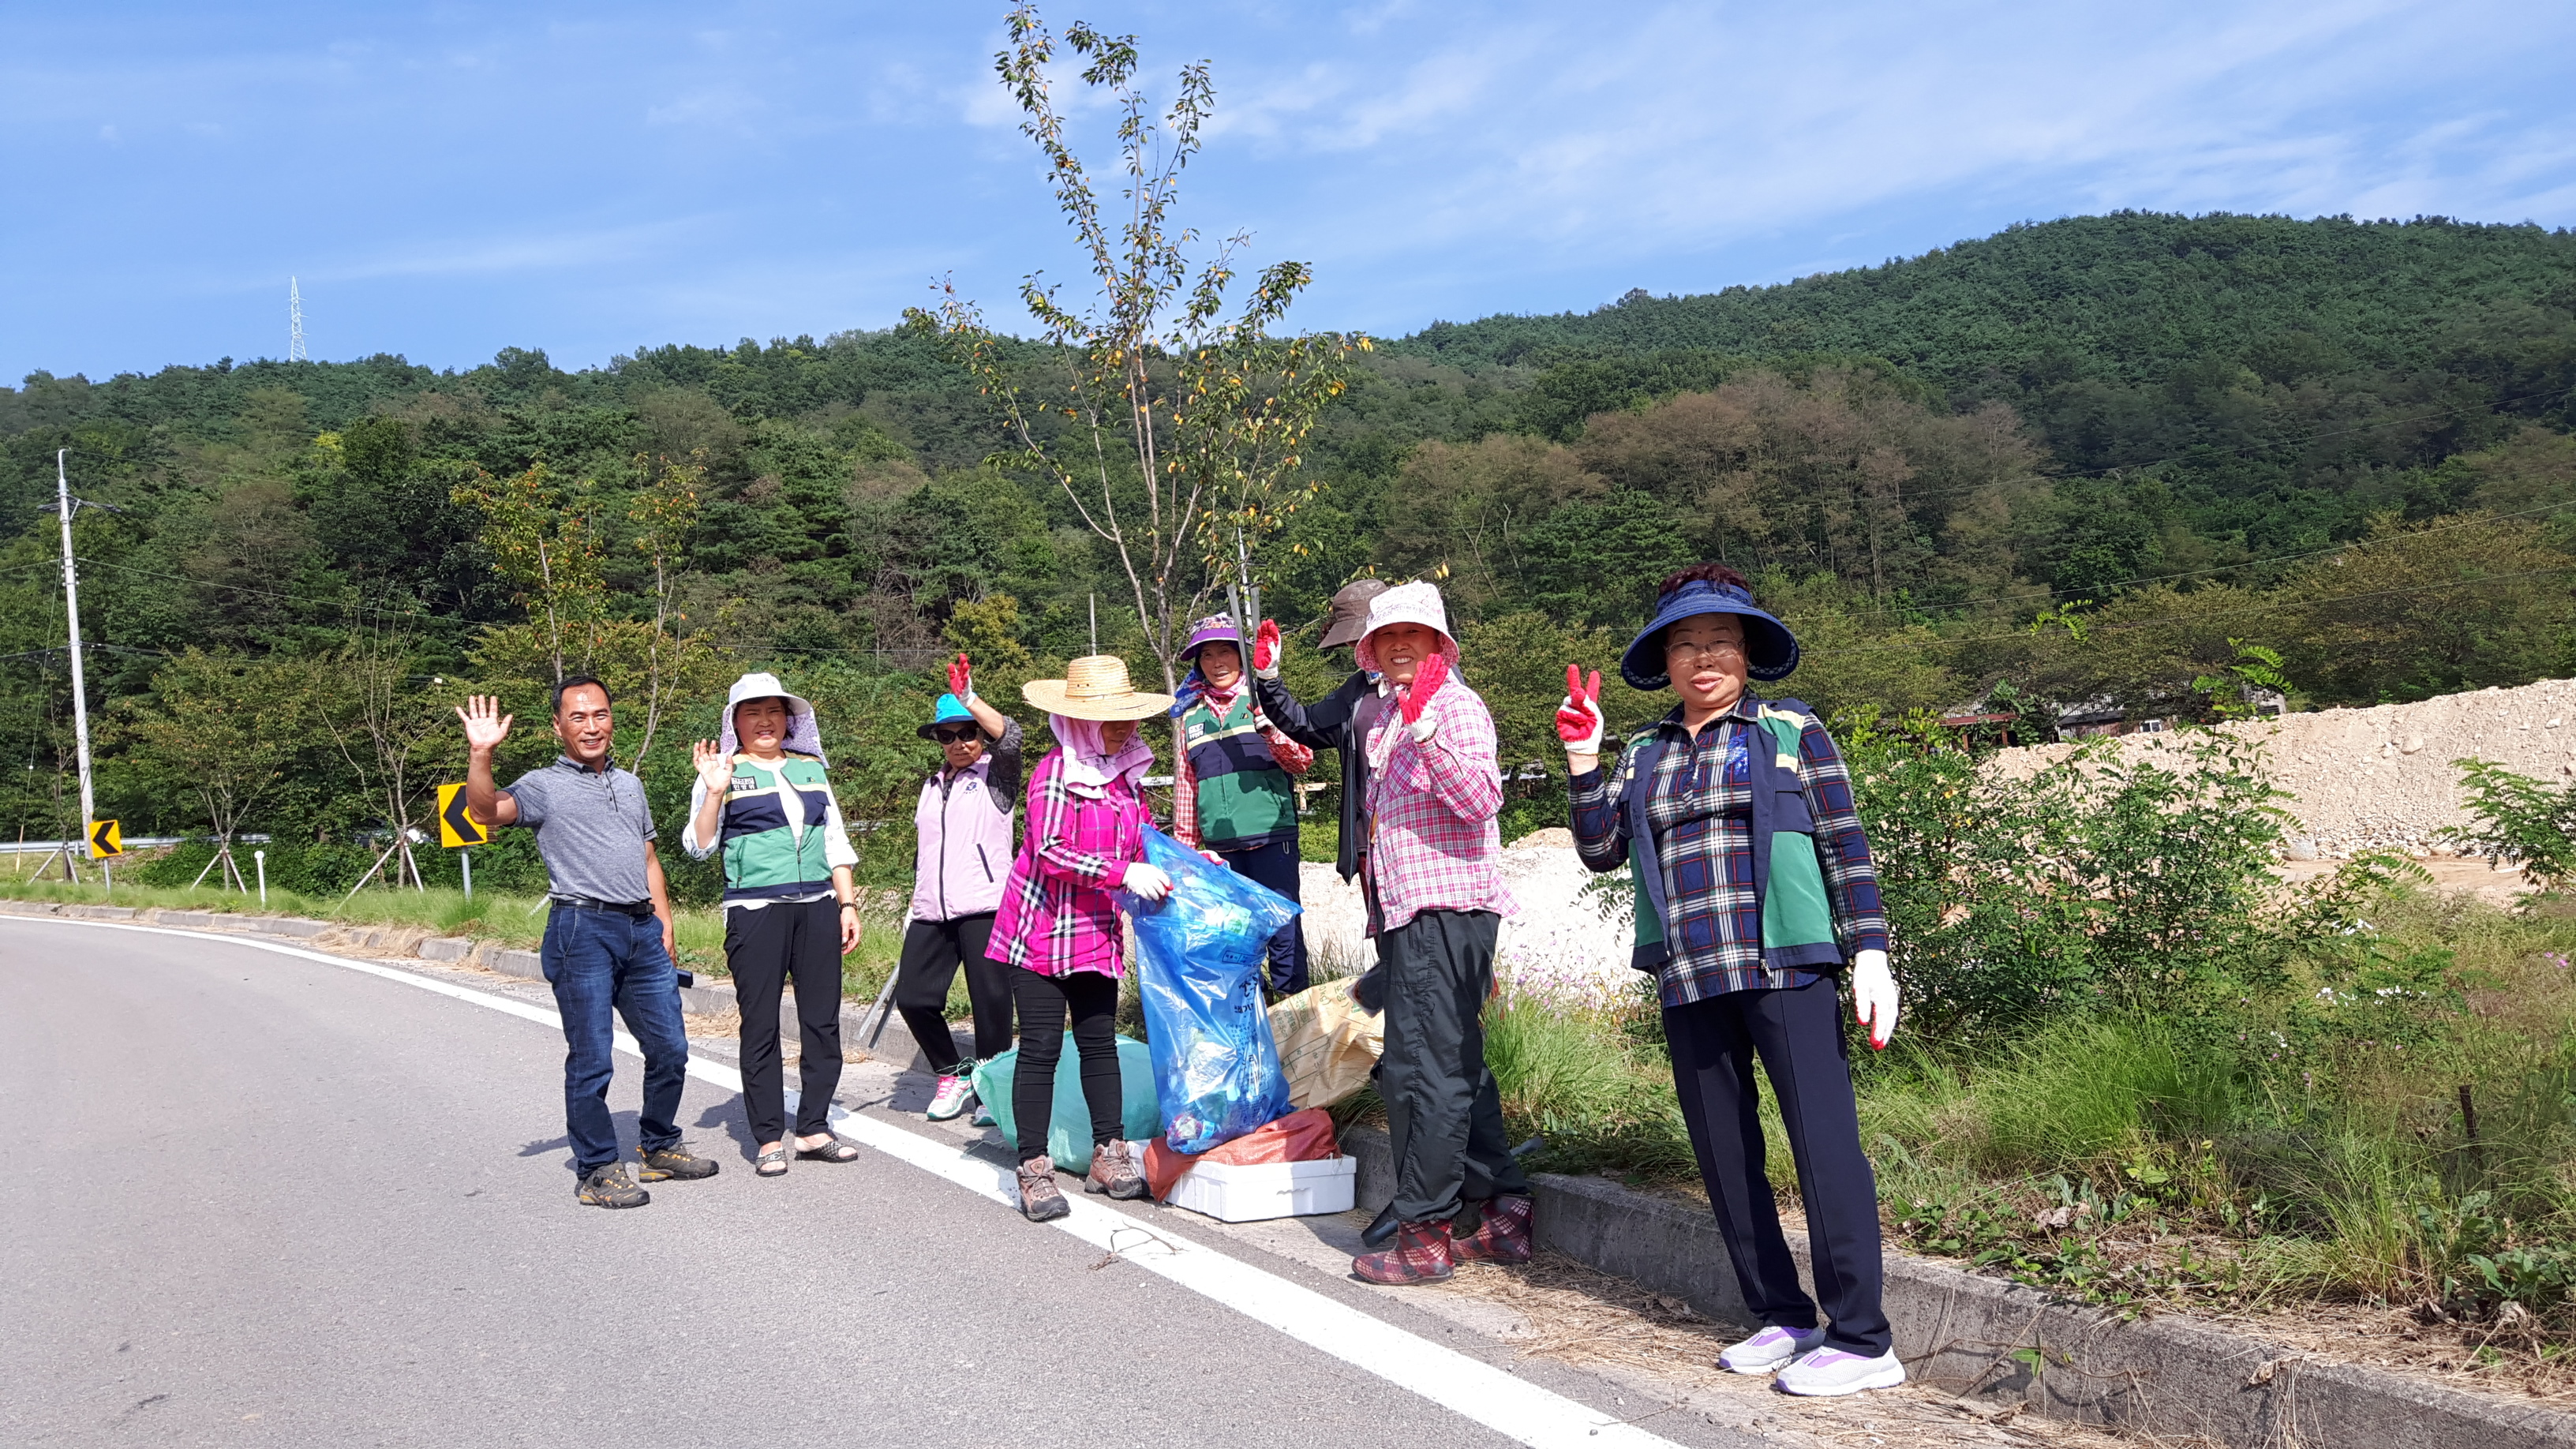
(1578, 719)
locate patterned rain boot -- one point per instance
(1420, 1255)
(1501, 1236)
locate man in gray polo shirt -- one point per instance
(609, 945)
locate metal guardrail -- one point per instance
(132, 842)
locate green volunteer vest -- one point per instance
(1244, 798)
(763, 858)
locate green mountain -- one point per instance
(2170, 435)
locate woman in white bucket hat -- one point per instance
(763, 799)
(1059, 926)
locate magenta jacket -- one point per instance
(1057, 916)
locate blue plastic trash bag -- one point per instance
(1198, 956)
(1069, 1131)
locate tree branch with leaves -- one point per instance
(1173, 428)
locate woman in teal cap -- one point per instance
(962, 830)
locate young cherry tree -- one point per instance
(1174, 428)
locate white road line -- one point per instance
(1467, 1386)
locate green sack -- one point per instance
(1069, 1135)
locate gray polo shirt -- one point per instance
(591, 827)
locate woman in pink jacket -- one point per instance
(1058, 926)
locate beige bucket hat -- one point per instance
(1094, 687)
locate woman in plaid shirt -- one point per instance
(1436, 905)
(1059, 925)
(1754, 888)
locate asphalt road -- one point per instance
(262, 1200)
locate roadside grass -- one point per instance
(2231, 1152)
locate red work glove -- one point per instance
(1578, 720)
(1426, 683)
(1265, 650)
(961, 678)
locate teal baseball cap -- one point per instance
(951, 710)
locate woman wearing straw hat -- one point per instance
(1058, 925)
(1754, 888)
(762, 798)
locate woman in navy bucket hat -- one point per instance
(1754, 890)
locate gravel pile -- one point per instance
(2382, 778)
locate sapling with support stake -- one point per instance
(1172, 422)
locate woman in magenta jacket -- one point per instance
(1058, 928)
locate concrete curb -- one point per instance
(2169, 1375)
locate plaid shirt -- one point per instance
(1701, 811)
(1433, 845)
(1057, 916)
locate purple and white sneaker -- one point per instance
(1767, 1350)
(1830, 1373)
(956, 1094)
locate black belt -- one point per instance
(638, 909)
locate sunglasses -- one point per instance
(955, 736)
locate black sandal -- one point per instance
(835, 1150)
(772, 1163)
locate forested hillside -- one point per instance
(2108, 458)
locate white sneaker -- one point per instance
(1829, 1373)
(955, 1095)
(1767, 1350)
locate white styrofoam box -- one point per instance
(1242, 1193)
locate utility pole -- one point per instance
(71, 611)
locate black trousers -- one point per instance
(1442, 1108)
(763, 948)
(1798, 1034)
(932, 951)
(1275, 866)
(1091, 1000)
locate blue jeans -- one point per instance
(603, 960)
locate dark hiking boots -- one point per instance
(1420, 1255)
(610, 1187)
(1502, 1233)
(1113, 1171)
(1041, 1201)
(675, 1162)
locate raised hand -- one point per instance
(1265, 649)
(961, 678)
(1578, 720)
(1426, 683)
(715, 768)
(485, 725)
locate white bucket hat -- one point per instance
(804, 735)
(1414, 603)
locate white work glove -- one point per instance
(1874, 996)
(1144, 882)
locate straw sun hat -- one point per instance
(1094, 687)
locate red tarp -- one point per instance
(1305, 1136)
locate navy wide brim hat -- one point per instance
(1770, 650)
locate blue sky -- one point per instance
(450, 179)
